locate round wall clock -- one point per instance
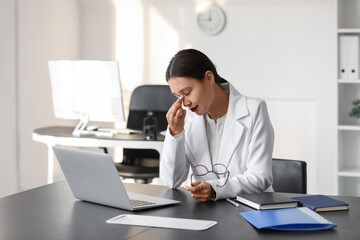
(211, 19)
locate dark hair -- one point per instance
(193, 64)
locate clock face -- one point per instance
(211, 20)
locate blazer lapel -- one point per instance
(230, 140)
(233, 129)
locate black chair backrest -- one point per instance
(157, 98)
(289, 176)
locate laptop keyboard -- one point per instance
(139, 203)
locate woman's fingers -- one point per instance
(173, 109)
(193, 186)
(200, 188)
(176, 105)
(203, 194)
(175, 117)
(178, 113)
(183, 114)
(201, 191)
(202, 199)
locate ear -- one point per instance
(209, 77)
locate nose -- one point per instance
(186, 102)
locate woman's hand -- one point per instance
(176, 118)
(201, 191)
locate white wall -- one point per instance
(281, 51)
(54, 29)
(97, 27)
(44, 30)
(8, 159)
(47, 29)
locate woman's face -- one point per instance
(197, 95)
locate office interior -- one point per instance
(284, 52)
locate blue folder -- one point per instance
(288, 219)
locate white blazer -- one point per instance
(246, 148)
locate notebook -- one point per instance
(93, 177)
(289, 219)
(266, 200)
(321, 203)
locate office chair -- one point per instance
(289, 176)
(143, 164)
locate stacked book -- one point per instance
(289, 214)
(321, 203)
(267, 200)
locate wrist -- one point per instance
(213, 196)
(174, 133)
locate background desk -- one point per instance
(56, 135)
(51, 212)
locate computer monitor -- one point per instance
(87, 90)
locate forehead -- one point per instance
(177, 84)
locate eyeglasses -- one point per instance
(218, 169)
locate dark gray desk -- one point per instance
(51, 212)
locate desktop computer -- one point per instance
(87, 90)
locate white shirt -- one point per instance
(214, 131)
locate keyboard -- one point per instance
(119, 131)
(139, 203)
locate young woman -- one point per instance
(225, 137)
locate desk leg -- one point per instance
(50, 173)
(160, 150)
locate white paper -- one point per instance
(353, 57)
(162, 222)
(344, 58)
(349, 57)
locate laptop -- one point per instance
(93, 177)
